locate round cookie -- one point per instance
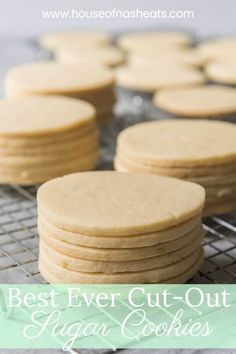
(83, 143)
(179, 143)
(43, 116)
(50, 77)
(201, 101)
(183, 270)
(74, 38)
(47, 159)
(179, 232)
(181, 278)
(151, 78)
(108, 56)
(81, 265)
(69, 202)
(119, 254)
(89, 130)
(171, 56)
(222, 70)
(142, 40)
(28, 175)
(45, 137)
(218, 47)
(129, 165)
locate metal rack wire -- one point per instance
(19, 238)
(18, 230)
(18, 211)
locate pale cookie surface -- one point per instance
(142, 240)
(180, 278)
(29, 175)
(109, 56)
(111, 203)
(47, 159)
(157, 275)
(151, 78)
(153, 56)
(81, 265)
(179, 143)
(187, 172)
(74, 38)
(30, 116)
(218, 47)
(80, 144)
(120, 254)
(201, 101)
(84, 132)
(56, 78)
(143, 40)
(222, 71)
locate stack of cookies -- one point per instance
(45, 137)
(82, 47)
(221, 47)
(110, 227)
(205, 101)
(142, 41)
(187, 57)
(92, 83)
(108, 56)
(153, 76)
(158, 60)
(220, 56)
(222, 70)
(200, 151)
(58, 40)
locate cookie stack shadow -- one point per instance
(121, 243)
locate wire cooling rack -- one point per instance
(18, 212)
(18, 222)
